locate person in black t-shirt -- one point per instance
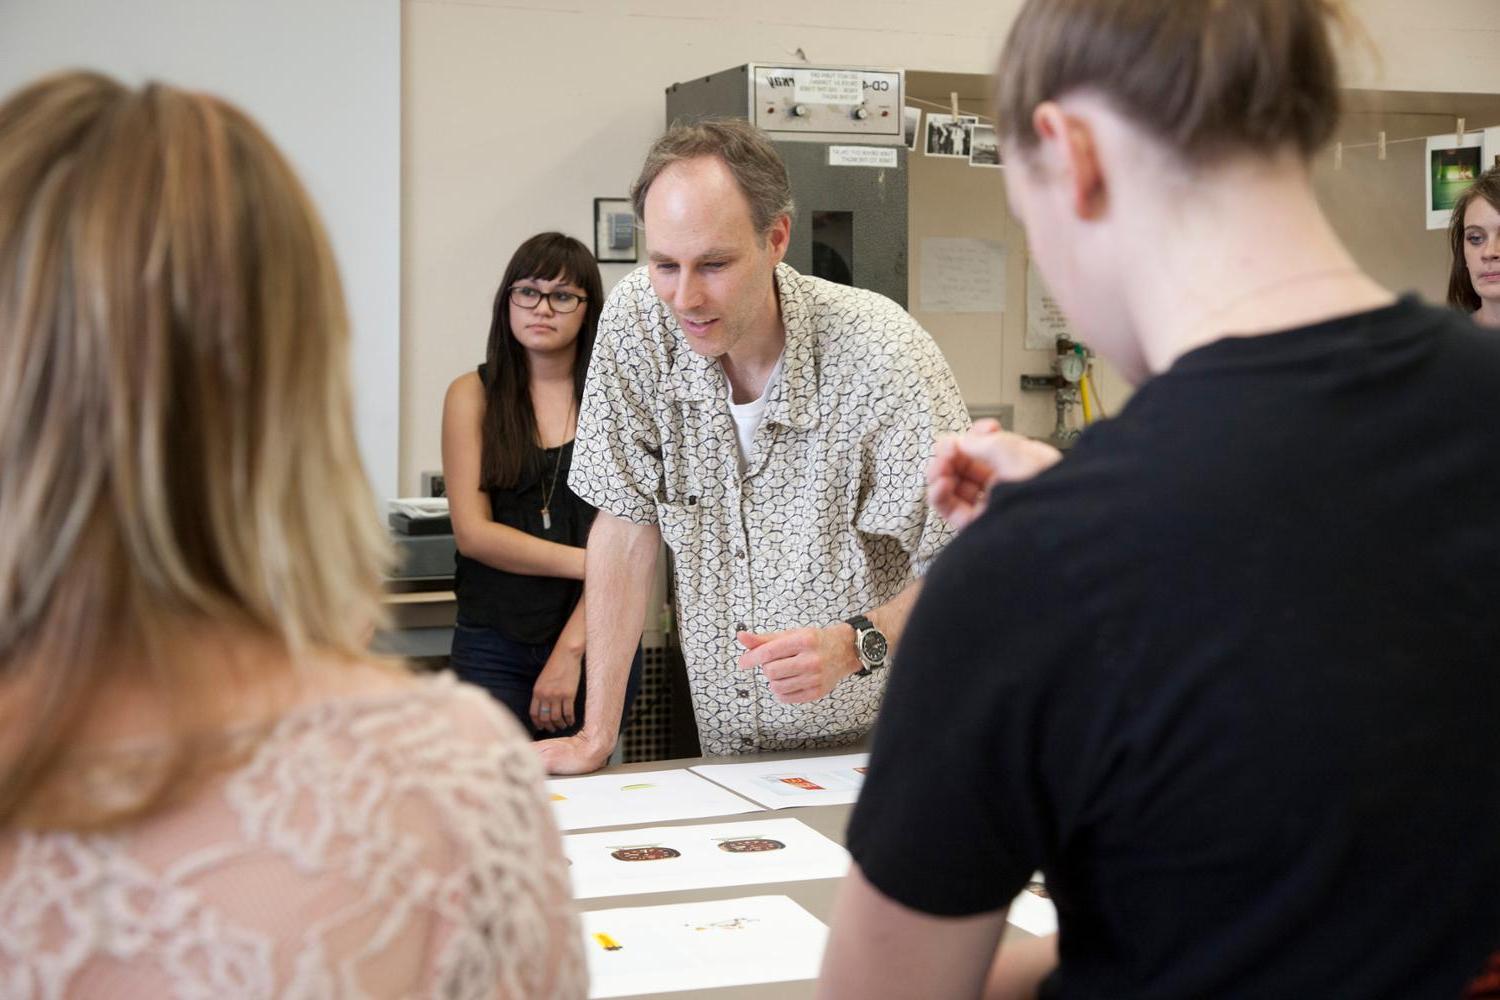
(520, 531)
(1228, 673)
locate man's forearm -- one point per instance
(620, 562)
(891, 616)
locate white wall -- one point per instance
(323, 78)
(1435, 45)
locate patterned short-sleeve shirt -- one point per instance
(829, 518)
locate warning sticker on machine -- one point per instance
(827, 86)
(862, 156)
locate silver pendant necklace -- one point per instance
(551, 491)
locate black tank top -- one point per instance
(529, 609)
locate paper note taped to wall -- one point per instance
(863, 156)
(1045, 321)
(962, 275)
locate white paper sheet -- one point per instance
(697, 946)
(642, 797)
(1033, 912)
(673, 858)
(961, 275)
(1045, 321)
(780, 784)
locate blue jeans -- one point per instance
(508, 670)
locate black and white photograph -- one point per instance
(614, 231)
(984, 147)
(948, 136)
(911, 122)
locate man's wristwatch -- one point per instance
(870, 645)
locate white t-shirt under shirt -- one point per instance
(747, 416)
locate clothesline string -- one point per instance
(1468, 130)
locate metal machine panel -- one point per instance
(799, 103)
(871, 199)
(848, 171)
(827, 102)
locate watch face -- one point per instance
(872, 646)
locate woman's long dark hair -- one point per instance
(511, 445)
(1461, 293)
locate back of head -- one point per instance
(748, 152)
(1461, 293)
(176, 428)
(1207, 78)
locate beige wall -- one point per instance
(949, 198)
(517, 114)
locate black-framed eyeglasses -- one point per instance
(561, 300)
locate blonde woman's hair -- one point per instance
(177, 449)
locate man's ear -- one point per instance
(1069, 143)
(778, 237)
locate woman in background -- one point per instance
(207, 785)
(1474, 235)
(507, 448)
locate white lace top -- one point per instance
(390, 845)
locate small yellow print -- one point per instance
(606, 942)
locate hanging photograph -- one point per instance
(614, 231)
(984, 147)
(948, 136)
(911, 121)
(1451, 167)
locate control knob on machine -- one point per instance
(799, 111)
(861, 113)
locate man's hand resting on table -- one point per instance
(573, 754)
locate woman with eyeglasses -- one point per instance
(507, 445)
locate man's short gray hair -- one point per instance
(748, 153)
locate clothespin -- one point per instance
(1338, 156)
(1380, 147)
(1459, 135)
(953, 100)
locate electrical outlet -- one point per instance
(432, 484)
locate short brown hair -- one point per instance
(1461, 293)
(177, 448)
(748, 153)
(1206, 77)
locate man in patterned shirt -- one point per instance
(774, 429)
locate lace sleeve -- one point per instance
(373, 847)
(508, 919)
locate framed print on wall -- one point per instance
(614, 231)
